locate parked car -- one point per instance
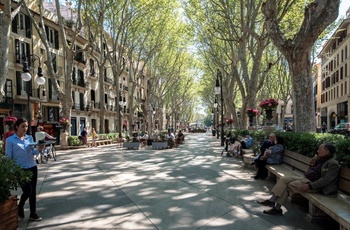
(342, 128)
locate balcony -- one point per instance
(7, 103)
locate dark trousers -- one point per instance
(244, 146)
(29, 191)
(262, 170)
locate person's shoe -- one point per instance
(274, 211)
(266, 203)
(35, 217)
(252, 163)
(21, 213)
(256, 177)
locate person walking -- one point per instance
(94, 137)
(20, 147)
(84, 136)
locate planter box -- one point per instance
(132, 145)
(9, 214)
(160, 145)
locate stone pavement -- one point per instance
(189, 187)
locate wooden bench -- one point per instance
(337, 208)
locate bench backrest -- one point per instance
(344, 180)
(301, 163)
(296, 160)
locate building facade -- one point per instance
(333, 77)
(44, 105)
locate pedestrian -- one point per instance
(20, 148)
(324, 127)
(84, 135)
(322, 177)
(9, 133)
(94, 137)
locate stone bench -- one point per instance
(99, 142)
(337, 208)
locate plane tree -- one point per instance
(296, 46)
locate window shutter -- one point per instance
(28, 23)
(15, 24)
(57, 42)
(18, 54)
(28, 55)
(47, 33)
(18, 83)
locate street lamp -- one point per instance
(27, 77)
(213, 121)
(122, 103)
(218, 90)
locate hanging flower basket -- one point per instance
(63, 122)
(9, 121)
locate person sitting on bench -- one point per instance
(246, 143)
(322, 177)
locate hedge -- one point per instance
(307, 143)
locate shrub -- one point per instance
(307, 143)
(11, 177)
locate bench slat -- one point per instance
(295, 164)
(344, 180)
(297, 156)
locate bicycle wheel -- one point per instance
(53, 152)
(43, 158)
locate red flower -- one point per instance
(63, 121)
(252, 112)
(230, 120)
(269, 104)
(9, 120)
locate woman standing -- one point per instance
(20, 148)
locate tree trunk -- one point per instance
(303, 104)
(5, 21)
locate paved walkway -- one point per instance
(189, 187)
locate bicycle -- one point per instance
(48, 152)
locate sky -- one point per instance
(344, 5)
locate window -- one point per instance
(346, 52)
(92, 67)
(52, 37)
(22, 50)
(21, 24)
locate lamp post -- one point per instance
(218, 90)
(216, 117)
(26, 77)
(122, 103)
(213, 122)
